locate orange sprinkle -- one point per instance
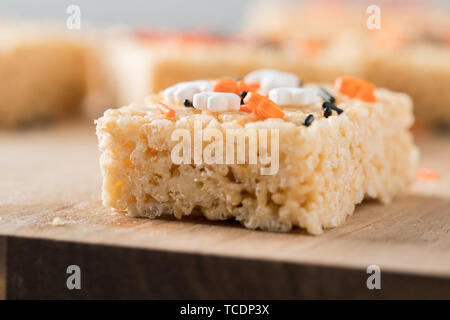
(426, 175)
(226, 85)
(262, 106)
(233, 86)
(367, 96)
(245, 108)
(165, 110)
(356, 88)
(247, 87)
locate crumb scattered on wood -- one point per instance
(57, 221)
(426, 175)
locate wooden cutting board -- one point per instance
(53, 173)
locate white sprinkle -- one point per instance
(200, 100)
(217, 101)
(293, 96)
(186, 90)
(270, 78)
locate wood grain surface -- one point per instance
(54, 173)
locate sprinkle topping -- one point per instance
(242, 95)
(233, 86)
(327, 112)
(426, 175)
(337, 109)
(186, 90)
(217, 101)
(262, 92)
(269, 79)
(331, 106)
(162, 108)
(356, 88)
(262, 106)
(225, 85)
(293, 96)
(326, 95)
(308, 120)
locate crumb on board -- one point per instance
(57, 221)
(426, 175)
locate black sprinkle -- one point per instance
(243, 94)
(326, 95)
(329, 105)
(187, 103)
(327, 112)
(337, 109)
(308, 120)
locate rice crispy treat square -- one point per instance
(325, 167)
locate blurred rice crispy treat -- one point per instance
(42, 74)
(128, 65)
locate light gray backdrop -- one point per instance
(218, 15)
